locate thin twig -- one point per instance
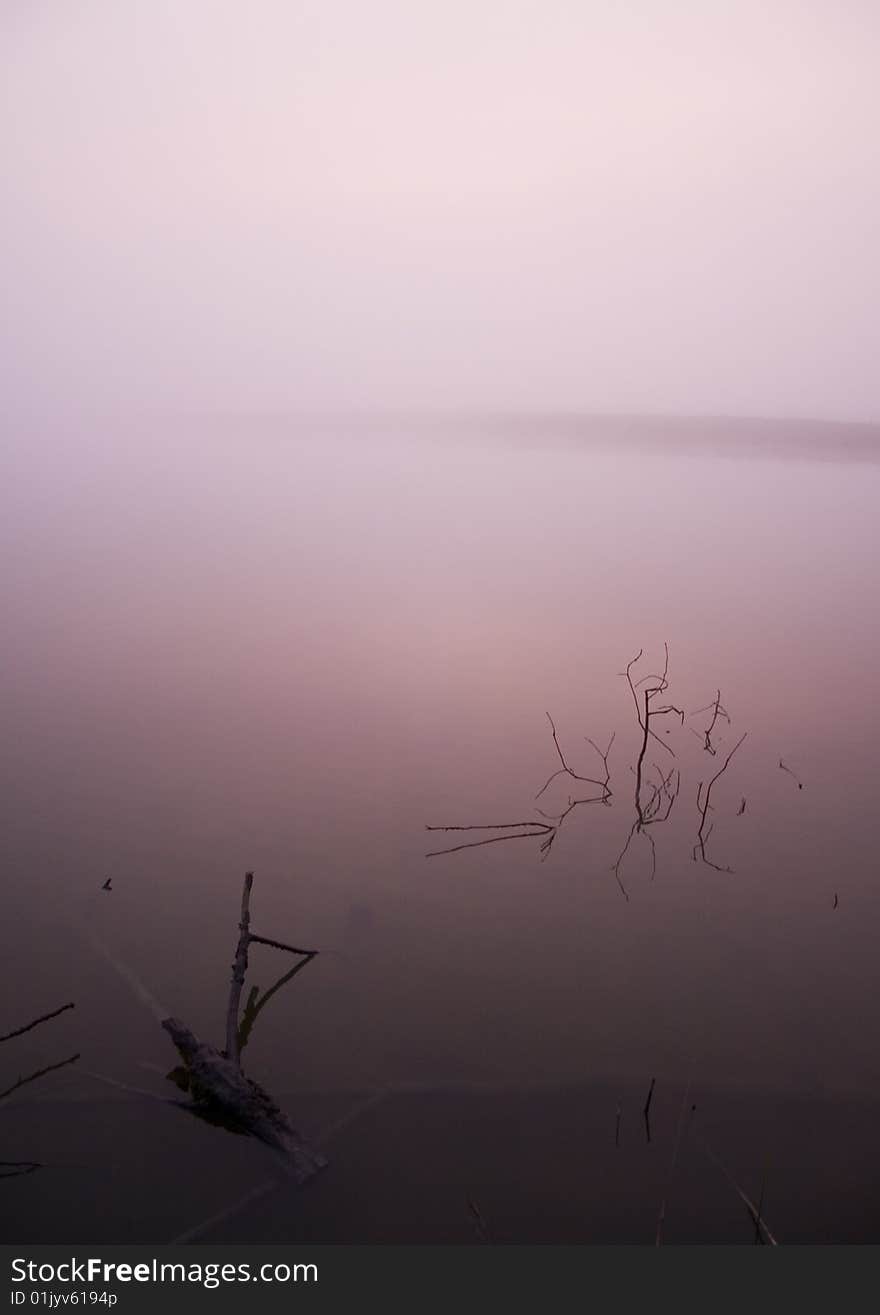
(20, 1167)
(256, 1003)
(19, 1031)
(565, 769)
(704, 806)
(717, 711)
(41, 1072)
(543, 829)
(280, 945)
(800, 784)
(647, 1110)
(239, 972)
(750, 1205)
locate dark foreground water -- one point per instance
(288, 649)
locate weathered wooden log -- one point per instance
(218, 1084)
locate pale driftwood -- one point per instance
(214, 1078)
(218, 1083)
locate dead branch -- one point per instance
(239, 971)
(664, 791)
(218, 1084)
(221, 1093)
(41, 1072)
(547, 830)
(644, 711)
(647, 1110)
(717, 711)
(256, 1003)
(44, 1018)
(542, 829)
(18, 1168)
(280, 945)
(565, 769)
(800, 784)
(703, 806)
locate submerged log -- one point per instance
(218, 1087)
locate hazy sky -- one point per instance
(651, 205)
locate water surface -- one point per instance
(289, 648)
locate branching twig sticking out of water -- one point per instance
(800, 784)
(645, 710)
(703, 806)
(664, 791)
(547, 830)
(717, 711)
(565, 769)
(656, 787)
(40, 1072)
(214, 1079)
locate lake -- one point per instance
(289, 647)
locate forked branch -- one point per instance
(704, 804)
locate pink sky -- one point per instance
(654, 206)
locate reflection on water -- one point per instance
(289, 651)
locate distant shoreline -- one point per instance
(698, 435)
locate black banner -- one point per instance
(337, 1278)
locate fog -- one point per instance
(562, 204)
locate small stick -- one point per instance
(279, 945)
(759, 1241)
(800, 784)
(41, 1072)
(565, 769)
(717, 711)
(20, 1167)
(647, 1110)
(750, 1206)
(239, 972)
(541, 829)
(19, 1031)
(703, 805)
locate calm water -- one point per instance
(290, 650)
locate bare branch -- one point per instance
(702, 834)
(19, 1031)
(239, 971)
(565, 769)
(542, 829)
(717, 711)
(41, 1072)
(18, 1168)
(279, 945)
